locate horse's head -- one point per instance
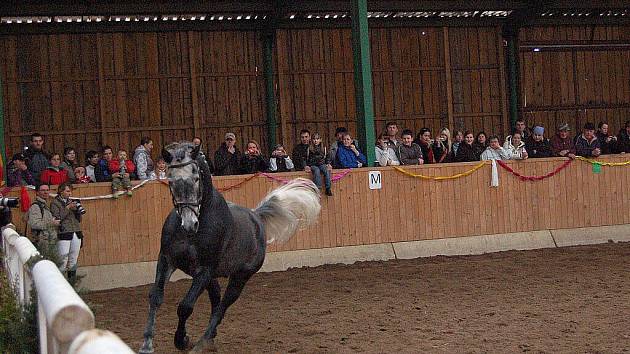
(184, 181)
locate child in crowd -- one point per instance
(121, 170)
(280, 160)
(160, 170)
(318, 162)
(80, 176)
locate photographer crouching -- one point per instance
(69, 236)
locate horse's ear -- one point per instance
(195, 152)
(167, 156)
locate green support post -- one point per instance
(363, 79)
(2, 146)
(513, 77)
(270, 99)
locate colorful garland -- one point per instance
(602, 163)
(442, 178)
(534, 178)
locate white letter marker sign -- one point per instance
(375, 179)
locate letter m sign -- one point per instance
(375, 179)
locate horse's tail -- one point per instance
(286, 208)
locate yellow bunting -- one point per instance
(442, 178)
(602, 163)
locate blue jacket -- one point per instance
(347, 159)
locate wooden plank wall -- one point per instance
(405, 209)
(573, 82)
(84, 90)
(411, 70)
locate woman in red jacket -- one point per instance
(54, 174)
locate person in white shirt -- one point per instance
(515, 144)
(495, 151)
(385, 155)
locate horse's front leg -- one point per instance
(156, 296)
(232, 292)
(184, 310)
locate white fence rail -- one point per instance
(66, 323)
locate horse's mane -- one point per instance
(179, 149)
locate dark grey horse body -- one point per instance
(207, 237)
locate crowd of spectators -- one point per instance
(393, 148)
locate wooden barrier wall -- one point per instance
(431, 77)
(127, 230)
(582, 75)
(84, 90)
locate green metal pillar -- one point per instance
(3, 149)
(363, 79)
(512, 47)
(270, 98)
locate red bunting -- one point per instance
(25, 200)
(534, 178)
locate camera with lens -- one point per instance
(80, 207)
(9, 202)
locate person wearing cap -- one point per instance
(21, 176)
(280, 160)
(587, 144)
(561, 143)
(227, 158)
(538, 146)
(623, 139)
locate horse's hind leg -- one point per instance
(232, 292)
(156, 296)
(185, 308)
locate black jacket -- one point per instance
(299, 156)
(466, 153)
(317, 156)
(623, 141)
(253, 164)
(226, 163)
(536, 149)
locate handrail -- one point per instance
(62, 313)
(18, 251)
(98, 341)
(63, 317)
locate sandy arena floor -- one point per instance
(571, 300)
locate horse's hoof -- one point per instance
(182, 344)
(204, 346)
(147, 348)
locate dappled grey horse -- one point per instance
(207, 237)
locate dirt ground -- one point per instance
(571, 300)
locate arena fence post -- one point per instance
(269, 38)
(363, 79)
(3, 150)
(62, 313)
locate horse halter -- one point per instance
(180, 206)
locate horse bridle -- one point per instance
(180, 206)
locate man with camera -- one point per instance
(5, 209)
(69, 236)
(41, 221)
